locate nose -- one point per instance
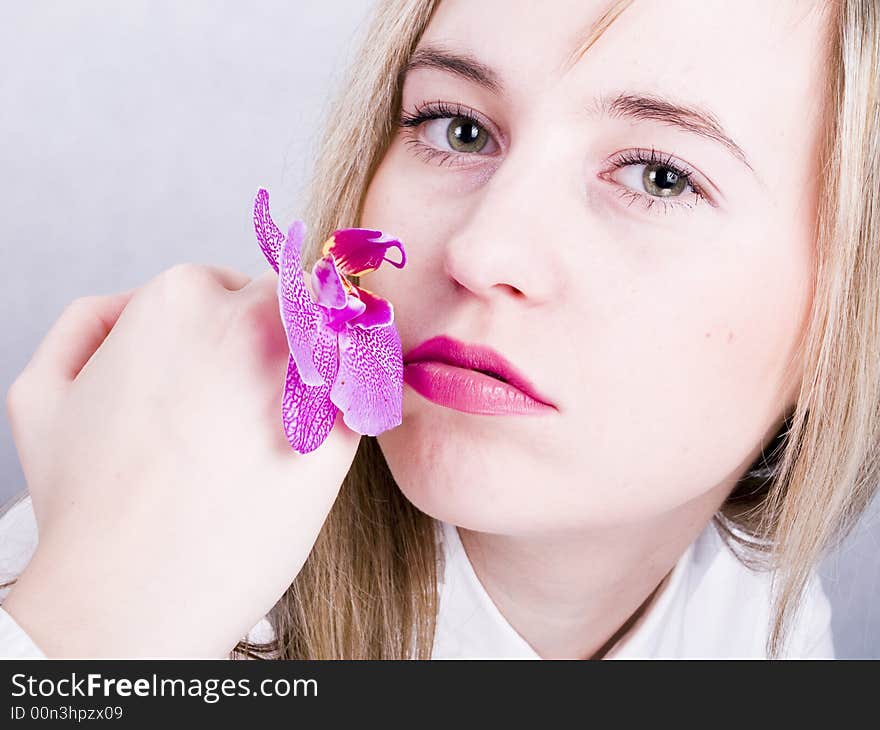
(504, 245)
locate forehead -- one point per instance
(647, 33)
(755, 65)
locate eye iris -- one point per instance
(663, 181)
(465, 136)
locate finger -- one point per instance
(75, 335)
(265, 283)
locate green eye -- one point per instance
(465, 135)
(663, 181)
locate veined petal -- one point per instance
(269, 236)
(359, 250)
(307, 412)
(378, 312)
(369, 385)
(302, 318)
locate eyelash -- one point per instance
(653, 157)
(436, 110)
(442, 110)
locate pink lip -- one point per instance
(447, 372)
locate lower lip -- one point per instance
(469, 391)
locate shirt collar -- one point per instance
(470, 625)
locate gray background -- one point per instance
(134, 134)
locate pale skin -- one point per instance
(172, 513)
(667, 341)
(666, 335)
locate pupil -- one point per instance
(663, 180)
(469, 136)
(465, 135)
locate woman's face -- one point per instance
(634, 233)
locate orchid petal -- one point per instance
(299, 313)
(328, 285)
(359, 250)
(378, 312)
(337, 319)
(307, 412)
(345, 353)
(269, 236)
(369, 385)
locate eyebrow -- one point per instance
(462, 65)
(643, 106)
(688, 118)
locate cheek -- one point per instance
(685, 368)
(391, 205)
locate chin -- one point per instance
(452, 474)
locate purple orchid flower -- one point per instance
(345, 352)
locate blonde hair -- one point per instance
(368, 589)
(807, 495)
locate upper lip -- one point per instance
(474, 357)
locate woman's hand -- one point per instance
(172, 513)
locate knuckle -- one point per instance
(187, 274)
(81, 303)
(16, 395)
(185, 283)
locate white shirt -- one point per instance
(711, 606)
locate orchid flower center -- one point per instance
(337, 319)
